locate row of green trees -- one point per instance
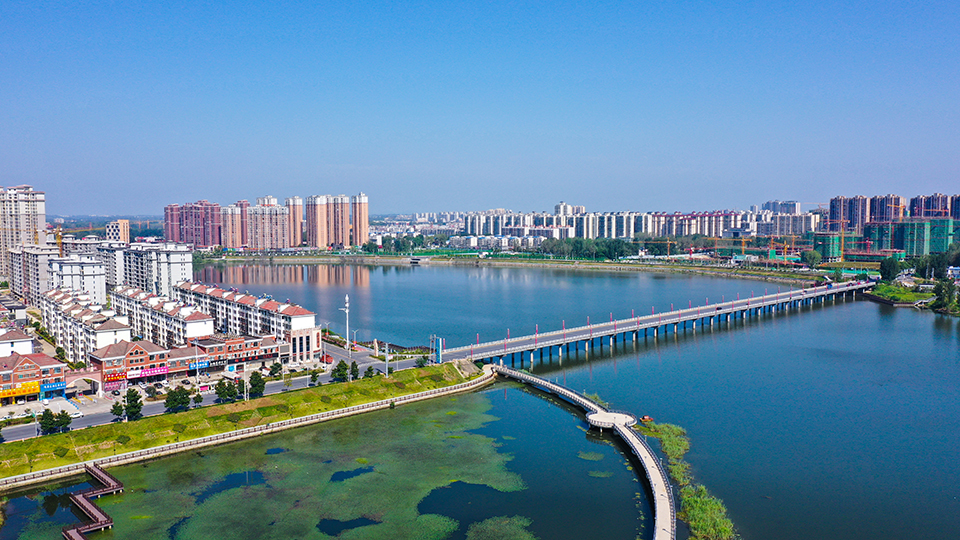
(405, 244)
(54, 423)
(343, 373)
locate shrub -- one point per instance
(60, 451)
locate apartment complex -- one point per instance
(23, 220)
(160, 319)
(240, 314)
(320, 221)
(156, 268)
(79, 273)
(29, 271)
(80, 325)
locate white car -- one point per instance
(76, 414)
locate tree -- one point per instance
(63, 420)
(812, 258)
(275, 369)
(226, 390)
(257, 384)
(177, 399)
(369, 373)
(197, 399)
(421, 362)
(48, 421)
(241, 387)
(354, 370)
(314, 376)
(889, 268)
(134, 406)
(837, 275)
(341, 371)
(117, 409)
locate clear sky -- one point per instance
(125, 107)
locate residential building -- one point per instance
(359, 208)
(196, 223)
(244, 206)
(338, 214)
(223, 351)
(316, 224)
(30, 377)
(781, 207)
(119, 231)
(268, 227)
(128, 363)
(294, 220)
(14, 341)
(788, 225)
(23, 220)
(887, 208)
(231, 224)
(172, 223)
(156, 268)
(79, 325)
(79, 273)
(246, 315)
(30, 271)
(936, 205)
(160, 319)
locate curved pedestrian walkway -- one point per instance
(664, 510)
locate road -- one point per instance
(152, 408)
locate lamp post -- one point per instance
(346, 309)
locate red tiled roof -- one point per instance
(296, 310)
(112, 324)
(198, 316)
(14, 335)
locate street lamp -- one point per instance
(346, 309)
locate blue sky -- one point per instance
(123, 107)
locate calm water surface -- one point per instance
(836, 422)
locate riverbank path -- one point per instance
(664, 508)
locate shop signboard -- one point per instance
(110, 377)
(53, 386)
(22, 389)
(200, 365)
(155, 371)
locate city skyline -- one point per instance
(454, 106)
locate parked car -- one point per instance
(115, 392)
(158, 385)
(327, 359)
(185, 382)
(76, 414)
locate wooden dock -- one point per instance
(98, 519)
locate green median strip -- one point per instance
(20, 457)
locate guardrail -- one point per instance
(139, 455)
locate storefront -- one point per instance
(50, 390)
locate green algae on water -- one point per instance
(417, 448)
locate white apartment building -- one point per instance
(23, 220)
(160, 319)
(788, 224)
(246, 315)
(30, 271)
(156, 268)
(79, 273)
(79, 325)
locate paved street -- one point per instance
(96, 411)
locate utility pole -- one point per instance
(346, 309)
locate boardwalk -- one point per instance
(587, 336)
(99, 519)
(664, 510)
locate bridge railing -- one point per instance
(668, 317)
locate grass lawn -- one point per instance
(898, 294)
(50, 451)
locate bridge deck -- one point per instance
(559, 338)
(664, 510)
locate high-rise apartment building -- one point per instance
(118, 231)
(193, 223)
(231, 226)
(848, 213)
(360, 218)
(171, 222)
(887, 208)
(936, 205)
(338, 215)
(23, 220)
(316, 225)
(782, 207)
(30, 271)
(269, 200)
(294, 220)
(268, 227)
(244, 221)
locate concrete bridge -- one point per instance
(664, 509)
(585, 337)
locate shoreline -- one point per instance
(16, 482)
(612, 266)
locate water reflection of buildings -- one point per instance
(322, 275)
